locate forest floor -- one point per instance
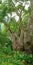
(16, 58)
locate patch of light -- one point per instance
(13, 1)
(29, 2)
(26, 4)
(9, 15)
(17, 4)
(16, 18)
(3, 1)
(13, 14)
(6, 18)
(2, 26)
(26, 7)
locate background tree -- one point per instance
(18, 31)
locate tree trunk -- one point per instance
(31, 22)
(28, 39)
(17, 43)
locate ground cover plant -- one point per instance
(16, 58)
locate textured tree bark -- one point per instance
(19, 41)
(31, 21)
(28, 39)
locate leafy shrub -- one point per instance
(16, 58)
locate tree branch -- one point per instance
(16, 10)
(21, 28)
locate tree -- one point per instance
(29, 34)
(6, 8)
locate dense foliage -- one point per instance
(16, 58)
(16, 32)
